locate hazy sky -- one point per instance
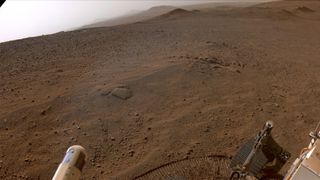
(26, 18)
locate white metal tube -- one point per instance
(71, 166)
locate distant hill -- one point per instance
(162, 10)
(136, 17)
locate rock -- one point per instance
(131, 153)
(189, 152)
(113, 139)
(105, 93)
(207, 129)
(43, 112)
(122, 93)
(213, 60)
(305, 9)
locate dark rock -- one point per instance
(43, 112)
(131, 153)
(189, 152)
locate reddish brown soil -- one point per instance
(201, 84)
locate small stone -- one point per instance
(122, 93)
(43, 112)
(113, 138)
(189, 151)
(131, 153)
(207, 129)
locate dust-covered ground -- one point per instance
(136, 96)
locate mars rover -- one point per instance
(260, 158)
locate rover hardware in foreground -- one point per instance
(259, 158)
(262, 158)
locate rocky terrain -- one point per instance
(180, 85)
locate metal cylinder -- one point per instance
(269, 124)
(71, 166)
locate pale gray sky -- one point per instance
(27, 18)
